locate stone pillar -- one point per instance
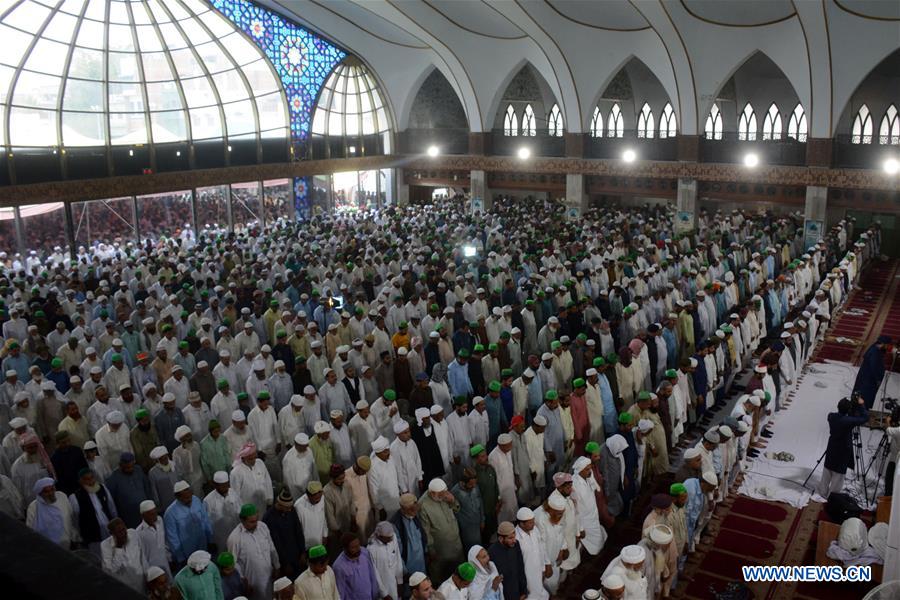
(686, 205)
(814, 214)
(479, 194)
(576, 196)
(402, 197)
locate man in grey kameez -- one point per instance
(521, 462)
(554, 438)
(470, 515)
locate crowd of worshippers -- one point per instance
(351, 408)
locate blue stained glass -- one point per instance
(301, 198)
(302, 59)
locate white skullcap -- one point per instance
(199, 560)
(416, 578)
(380, 444)
(309, 390)
(524, 514)
(180, 486)
(421, 413)
(47, 385)
(301, 439)
(12, 372)
(400, 426)
(661, 534)
(504, 438)
(238, 416)
(437, 485)
(556, 501)
(645, 425)
(297, 400)
(361, 405)
(321, 427)
(115, 418)
(754, 400)
(528, 373)
(17, 422)
(710, 477)
(220, 477)
(281, 583)
(580, 463)
(760, 368)
(147, 505)
(158, 452)
(436, 409)
(632, 554)
(224, 354)
(335, 414)
(182, 431)
(853, 537)
(591, 372)
(692, 452)
(402, 351)
(160, 345)
(613, 581)
(540, 421)
(258, 365)
(546, 356)
(726, 431)
(88, 445)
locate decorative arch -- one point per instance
(434, 101)
(632, 84)
(523, 86)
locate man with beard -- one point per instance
(425, 438)
(629, 565)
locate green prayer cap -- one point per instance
(103, 313)
(458, 400)
(248, 510)
(582, 337)
(390, 395)
(768, 397)
(359, 310)
(625, 418)
(165, 327)
(299, 359)
(273, 303)
(492, 347)
(182, 345)
(317, 552)
(263, 395)
(476, 450)
(671, 373)
(505, 335)
(281, 333)
(473, 324)
(466, 571)
(676, 489)
(403, 324)
(56, 363)
(213, 423)
(506, 373)
(225, 560)
(726, 328)
(591, 447)
(494, 386)
(529, 302)
(551, 395)
(141, 413)
(432, 307)
(578, 383)
(599, 362)
(221, 383)
(555, 344)
(643, 395)
(116, 356)
(242, 396)
(477, 348)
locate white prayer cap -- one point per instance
(12, 372)
(743, 427)
(528, 373)
(153, 573)
(17, 422)
(326, 371)
(115, 418)
(437, 485)
(591, 372)
(878, 538)
(436, 409)
(182, 431)
(280, 584)
(556, 501)
(198, 560)
(712, 436)
(279, 364)
(47, 386)
(361, 405)
(613, 581)
(540, 421)
(96, 370)
(853, 537)
(158, 452)
(546, 356)
(402, 351)
(88, 445)
(224, 354)
(416, 578)
(220, 477)
(580, 463)
(524, 514)
(477, 400)
(321, 427)
(692, 452)
(661, 534)
(309, 390)
(400, 426)
(258, 365)
(788, 325)
(785, 334)
(434, 335)
(297, 400)
(422, 413)
(177, 368)
(238, 416)
(726, 431)
(710, 477)
(180, 486)
(301, 439)
(632, 554)
(504, 438)
(553, 320)
(147, 505)
(645, 425)
(380, 444)
(315, 343)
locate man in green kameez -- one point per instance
(215, 454)
(437, 513)
(196, 581)
(490, 491)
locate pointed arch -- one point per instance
(668, 127)
(642, 83)
(645, 124)
(615, 125)
(862, 126)
(747, 124)
(528, 125)
(889, 132)
(510, 122)
(713, 127)
(597, 123)
(422, 93)
(797, 125)
(772, 124)
(555, 122)
(548, 95)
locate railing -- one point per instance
(864, 151)
(448, 141)
(733, 147)
(643, 147)
(539, 145)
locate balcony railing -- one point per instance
(732, 148)
(448, 141)
(864, 151)
(539, 145)
(643, 147)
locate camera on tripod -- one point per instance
(891, 405)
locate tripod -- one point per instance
(879, 459)
(859, 463)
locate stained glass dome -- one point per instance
(89, 73)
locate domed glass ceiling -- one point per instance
(126, 72)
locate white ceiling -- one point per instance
(824, 47)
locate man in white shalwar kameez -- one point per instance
(383, 484)
(298, 467)
(629, 565)
(559, 538)
(250, 479)
(584, 488)
(310, 509)
(223, 507)
(387, 560)
(254, 553)
(501, 459)
(406, 459)
(534, 554)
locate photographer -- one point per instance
(871, 371)
(839, 453)
(893, 434)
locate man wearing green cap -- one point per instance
(554, 436)
(489, 489)
(456, 586)
(254, 553)
(677, 520)
(490, 364)
(317, 582)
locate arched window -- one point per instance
(797, 124)
(350, 103)
(862, 127)
(528, 127)
(555, 122)
(667, 125)
(510, 122)
(747, 124)
(615, 126)
(772, 124)
(890, 126)
(597, 123)
(714, 124)
(645, 128)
